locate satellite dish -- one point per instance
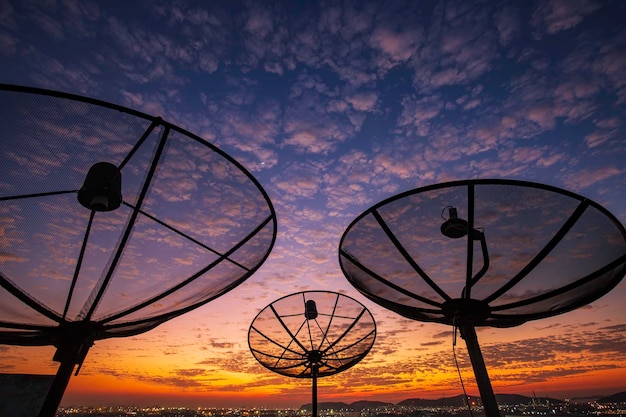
(484, 253)
(114, 222)
(312, 334)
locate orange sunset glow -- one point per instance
(287, 120)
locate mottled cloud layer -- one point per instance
(334, 106)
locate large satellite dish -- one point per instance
(484, 253)
(113, 222)
(312, 334)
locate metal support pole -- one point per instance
(69, 355)
(314, 392)
(468, 333)
(57, 389)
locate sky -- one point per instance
(334, 107)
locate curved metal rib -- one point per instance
(386, 282)
(21, 295)
(543, 253)
(191, 239)
(92, 301)
(18, 197)
(79, 263)
(286, 348)
(408, 257)
(188, 280)
(571, 286)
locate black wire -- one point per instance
(458, 369)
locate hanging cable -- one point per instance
(458, 369)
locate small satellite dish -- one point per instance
(312, 334)
(506, 253)
(114, 222)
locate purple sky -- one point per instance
(333, 107)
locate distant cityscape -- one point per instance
(509, 404)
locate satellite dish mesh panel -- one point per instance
(191, 224)
(484, 253)
(534, 251)
(312, 334)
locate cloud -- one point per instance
(363, 101)
(189, 373)
(419, 112)
(259, 22)
(588, 177)
(8, 44)
(10, 257)
(458, 50)
(585, 352)
(508, 23)
(298, 181)
(395, 47)
(557, 15)
(221, 345)
(307, 128)
(598, 137)
(433, 343)
(610, 63)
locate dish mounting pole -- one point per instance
(68, 358)
(314, 372)
(488, 398)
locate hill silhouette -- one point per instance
(356, 406)
(620, 397)
(456, 401)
